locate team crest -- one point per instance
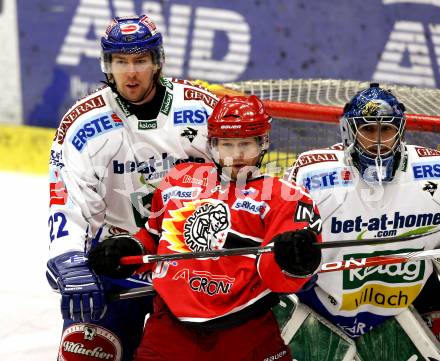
(430, 187)
(200, 225)
(189, 133)
(89, 333)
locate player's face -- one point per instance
(134, 76)
(237, 153)
(373, 136)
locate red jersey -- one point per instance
(194, 210)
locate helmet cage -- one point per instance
(379, 109)
(376, 163)
(382, 146)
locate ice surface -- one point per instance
(30, 320)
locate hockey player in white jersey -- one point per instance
(110, 151)
(373, 185)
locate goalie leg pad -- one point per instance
(309, 336)
(404, 337)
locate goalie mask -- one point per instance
(372, 129)
(242, 120)
(131, 35)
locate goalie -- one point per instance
(373, 185)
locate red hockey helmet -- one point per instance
(238, 117)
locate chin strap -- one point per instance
(260, 159)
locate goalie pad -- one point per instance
(311, 337)
(404, 337)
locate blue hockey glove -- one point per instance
(82, 293)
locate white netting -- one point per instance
(336, 92)
(290, 137)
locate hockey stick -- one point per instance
(260, 250)
(379, 260)
(132, 293)
(325, 267)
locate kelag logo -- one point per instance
(190, 116)
(386, 286)
(93, 128)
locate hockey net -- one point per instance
(306, 113)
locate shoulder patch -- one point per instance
(194, 94)
(311, 158)
(80, 109)
(307, 159)
(426, 152)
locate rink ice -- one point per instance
(30, 320)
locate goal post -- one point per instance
(306, 112)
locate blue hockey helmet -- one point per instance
(372, 129)
(131, 35)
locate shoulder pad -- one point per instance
(81, 107)
(423, 152)
(311, 157)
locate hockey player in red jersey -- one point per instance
(110, 152)
(220, 308)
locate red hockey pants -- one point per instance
(167, 339)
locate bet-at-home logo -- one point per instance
(92, 17)
(385, 225)
(386, 286)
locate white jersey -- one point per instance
(105, 162)
(350, 208)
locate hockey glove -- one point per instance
(82, 293)
(295, 253)
(104, 258)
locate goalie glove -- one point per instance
(82, 293)
(104, 258)
(295, 254)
